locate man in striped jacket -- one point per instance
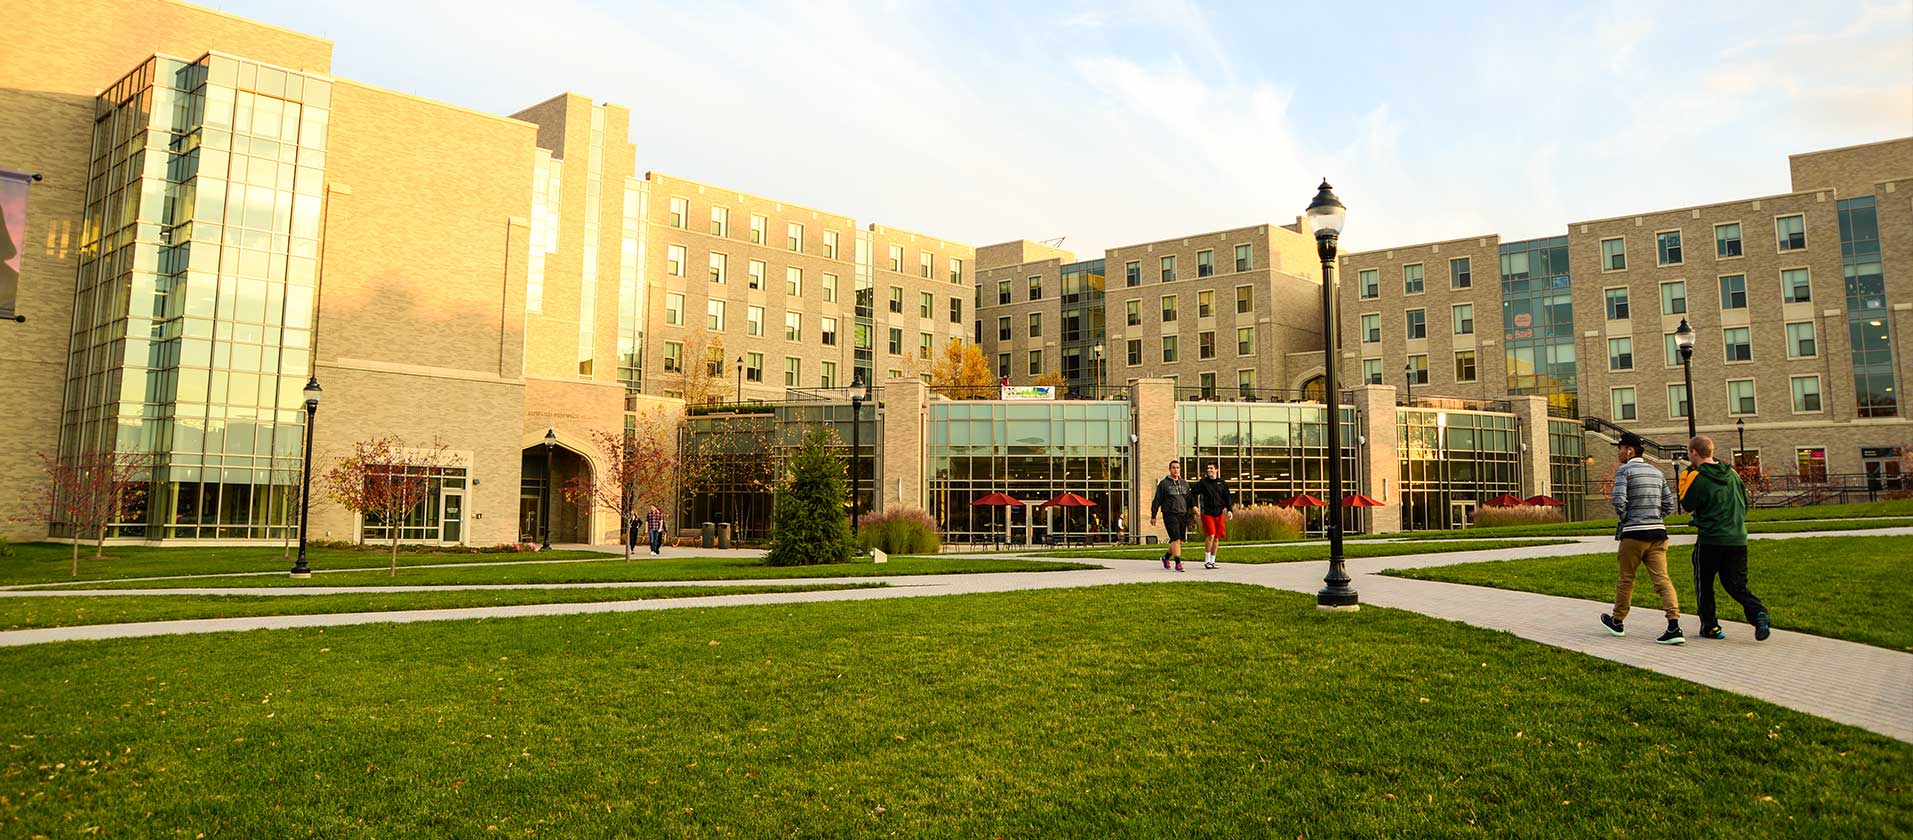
(1643, 501)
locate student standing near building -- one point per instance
(654, 523)
(1713, 492)
(1172, 501)
(1643, 501)
(1214, 501)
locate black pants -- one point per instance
(1730, 563)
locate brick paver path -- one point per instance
(1862, 685)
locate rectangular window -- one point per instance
(1733, 291)
(673, 308)
(1207, 382)
(1800, 341)
(1206, 345)
(674, 260)
(1244, 299)
(720, 221)
(1371, 283)
(1412, 279)
(828, 327)
(925, 343)
(673, 357)
(1036, 287)
(1417, 324)
(793, 326)
(1791, 231)
(719, 268)
(1623, 402)
(1806, 394)
(1372, 371)
(1464, 366)
(1613, 254)
(1673, 350)
(1245, 341)
(793, 281)
(1168, 309)
(1813, 463)
(1796, 285)
(1003, 328)
(793, 371)
(794, 237)
(896, 299)
(680, 212)
(1132, 273)
(896, 258)
(754, 367)
(1003, 365)
(1460, 274)
(1002, 291)
(1740, 347)
(1168, 266)
(1727, 241)
(956, 270)
(926, 264)
(1168, 349)
(1371, 328)
(956, 310)
(895, 343)
(1205, 263)
(830, 244)
(1617, 304)
(926, 304)
(1036, 363)
(1668, 243)
(1244, 258)
(828, 376)
(714, 315)
(756, 271)
(1036, 325)
(1133, 348)
(1418, 368)
(1674, 298)
(1245, 383)
(1676, 401)
(1740, 396)
(1132, 313)
(830, 288)
(1205, 303)
(754, 320)
(1464, 316)
(1620, 353)
(760, 229)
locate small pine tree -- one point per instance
(808, 526)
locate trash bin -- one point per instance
(723, 535)
(709, 537)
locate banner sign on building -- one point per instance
(13, 237)
(1029, 392)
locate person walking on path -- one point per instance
(1214, 501)
(1717, 498)
(654, 523)
(1172, 501)
(1642, 500)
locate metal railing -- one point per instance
(1563, 412)
(1219, 393)
(1455, 404)
(1063, 392)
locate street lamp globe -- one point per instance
(1684, 337)
(1326, 213)
(859, 389)
(312, 391)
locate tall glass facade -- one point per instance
(1267, 452)
(1873, 387)
(1082, 340)
(631, 285)
(1568, 466)
(1032, 451)
(1537, 319)
(863, 351)
(193, 316)
(1451, 462)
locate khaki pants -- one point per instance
(1652, 554)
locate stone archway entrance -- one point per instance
(1315, 388)
(539, 492)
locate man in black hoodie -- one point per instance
(1172, 501)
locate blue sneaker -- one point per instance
(1763, 626)
(1712, 633)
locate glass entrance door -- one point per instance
(452, 511)
(1461, 514)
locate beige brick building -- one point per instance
(1424, 317)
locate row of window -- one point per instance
(1414, 278)
(1740, 398)
(753, 367)
(1416, 370)
(1205, 346)
(1166, 266)
(1462, 316)
(1796, 286)
(794, 240)
(1205, 306)
(1736, 344)
(794, 284)
(1790, 234)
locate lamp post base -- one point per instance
(1337, 607)
(300, 575)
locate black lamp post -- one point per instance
(1684, 340)
(1326, 217)
(299, 567)
(740, 380)
(1408, 382)
(1740, 426)
(1096, 358)
(859, 391)
(551, 483)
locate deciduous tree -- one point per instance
(89, 492)
(385, 480)
(633, 468)
(960, 372)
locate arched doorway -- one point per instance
(539, 492)
(1315, 388)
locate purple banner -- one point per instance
(13, 237)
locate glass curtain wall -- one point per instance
(427, 523)
(193, 311)
(733, 461)
(631, 285)
(1537, 315)
(1451, 462)
(1083, 349)
(1268, 453)
(1568, 466)
(1033, 451)
(1873, 387)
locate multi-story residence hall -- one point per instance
(220, 219)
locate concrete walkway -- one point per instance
(1862, 685)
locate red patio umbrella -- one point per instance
(1069, 500)
(1505, 500)
(1002, 500)
(1545, 501)
(1359, 500)
(1303, 500)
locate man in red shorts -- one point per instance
(1214, 502)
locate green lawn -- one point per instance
(1885, 514)
(1850, 588)
(642, 569)
(21, 613)
(52, 562)
(1278, 553)
(1135, 711)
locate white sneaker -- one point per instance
(1209, 564)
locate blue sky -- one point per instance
(1112, 123)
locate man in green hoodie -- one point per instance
(1713, 492)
